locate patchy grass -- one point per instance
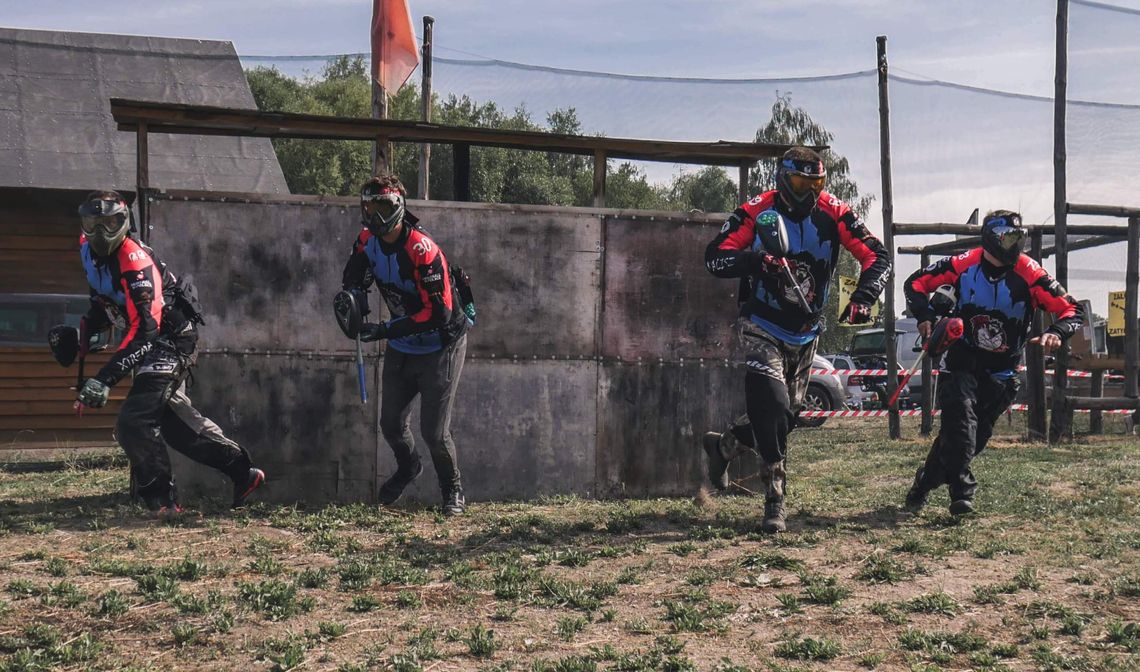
(1043, 578)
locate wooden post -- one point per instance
(1035, 362)
(599, 178)
(1096, 418)
(142, 180)
(742, 194)
(927, 424)
(888, 234)
(461, 171)
(1131, 328)
(424, 190)
(381, 149)
(1059, 425)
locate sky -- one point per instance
(955, 150)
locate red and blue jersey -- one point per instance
(414, 278)
(996, 304)
(126, 290)
(814, 242)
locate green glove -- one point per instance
(94, 393)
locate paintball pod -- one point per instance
(773, 234)
(944, 334)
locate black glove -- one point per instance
(373, 332)
(856, 313)
(762, 263)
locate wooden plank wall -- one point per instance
(39, 254)
(36, 397)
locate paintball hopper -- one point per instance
(64, 343)
(944, 334)
(348, 311)
(773, 233)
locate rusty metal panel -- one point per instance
(299, 418)
(651, 417)
(660, 302)
(266, 273)
(522, 429)
(535, 275)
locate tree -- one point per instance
(332, 167)
(794, 126)
(709, 190)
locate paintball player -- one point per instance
(427, 335)
(781, 319)
(998, 288)
(158, 314)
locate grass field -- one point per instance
(1047, 577)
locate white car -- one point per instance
(857, 397)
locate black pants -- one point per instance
(774, 389)
(971, 402)
(434, 377)
(157, 413)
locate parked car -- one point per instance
(825, 392)
(857, 395)
(868, 352)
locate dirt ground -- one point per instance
(1045, 577)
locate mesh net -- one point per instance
(954, 147)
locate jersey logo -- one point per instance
(137, 255)
(806, 281)
(989, 333)
(423, 246)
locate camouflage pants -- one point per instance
(157, 412)
(774, 387)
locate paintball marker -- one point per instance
(942, 336)
(774, 237)
(349, 316)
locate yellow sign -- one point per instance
(1116, 314)
(847, 287)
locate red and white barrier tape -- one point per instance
(883, 372)
(915, 412)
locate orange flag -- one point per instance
(394, 52)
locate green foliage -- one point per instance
(808, 648)
(331, 167)
(338, 167)
(793, 125)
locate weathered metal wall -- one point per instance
(598, 361)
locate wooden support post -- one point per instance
(888, 234)
(424, 190)
(1035, 363)
(1060, 424)
(1131, 328)
(599, 179)
(142, 181)
(742, 194)
(381, 148)
(927, 424)
(461, 171)
(1096, 418)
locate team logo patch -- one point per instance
(802, 273)
(423, 246)
(989, 334)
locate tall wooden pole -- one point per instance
(888, 233)
(1131, 328)
(1059, 425)
(927, 424)
(425, 105)
(1035, 362)
(142, 180)
(380, 149)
